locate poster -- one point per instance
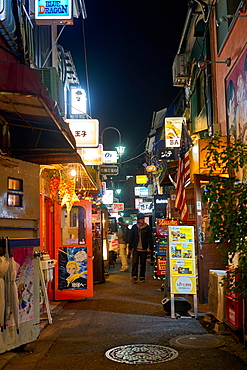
(72, 268)
(236, 100)
(182, 259)
(162, 245)
(173, 130)
(25, 284)
(161, 266)
(183, 285)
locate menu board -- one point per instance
(182, 259)
(162, 245)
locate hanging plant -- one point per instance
(226, 196)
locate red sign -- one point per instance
(118, 207)
(161, 266)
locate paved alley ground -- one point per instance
(120, 313)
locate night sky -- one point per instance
(130, 48)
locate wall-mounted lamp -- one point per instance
(224, 18)
(202, 63)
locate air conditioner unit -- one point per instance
(179, 71)
(53, 83)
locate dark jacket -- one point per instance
(146, 236)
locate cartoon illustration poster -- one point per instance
(72, 268)
(24, 280)
(236, 100)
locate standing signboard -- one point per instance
(161, 245)
(182, 263)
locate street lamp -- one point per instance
(119, 148)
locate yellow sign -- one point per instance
(182, 267)
(181, 234)
(182, 250)
(91, 156)
(183, 285)
(173, 130)
(182, 259)
(141, 179)
(85, 131)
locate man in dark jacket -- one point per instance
(140, 242)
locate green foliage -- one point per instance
(226, 196)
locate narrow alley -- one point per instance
(120, 313)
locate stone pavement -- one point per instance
(121, 313)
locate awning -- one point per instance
(37, 131)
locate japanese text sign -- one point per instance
(85, 131)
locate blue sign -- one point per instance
(53, 10)
(144, 192)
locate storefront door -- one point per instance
(207, 252)
(73, 251)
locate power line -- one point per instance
(131, 159)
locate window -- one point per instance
(15, 184)
(14, 200)
(15, 192)
(223, 8)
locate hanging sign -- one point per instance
(110, 156)
(47, 12)
(85, 131)
(91, 156)
(3, 9)
(167, 154)
(141, 179)
(151, 168)
(146, 207)
(109, 169)
(78, 101)
(173, 130)
(118, 207)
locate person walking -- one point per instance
(140, 242)
(122, 242)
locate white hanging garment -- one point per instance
(4, 265)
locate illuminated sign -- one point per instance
(146, 207)
(108, 170)
(59, 11)
(91, 156)
(137, 202)
(118, 207)
(85, 131)
(137, 191)
(173, 130)
(3, 10)
(141, 179)
(160, 201)
(107, 198)
(110, 156)
(78, 101)
(143, 192)
(150, 168)
(168, 154)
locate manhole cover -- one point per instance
(198, 341)
(141, 354)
